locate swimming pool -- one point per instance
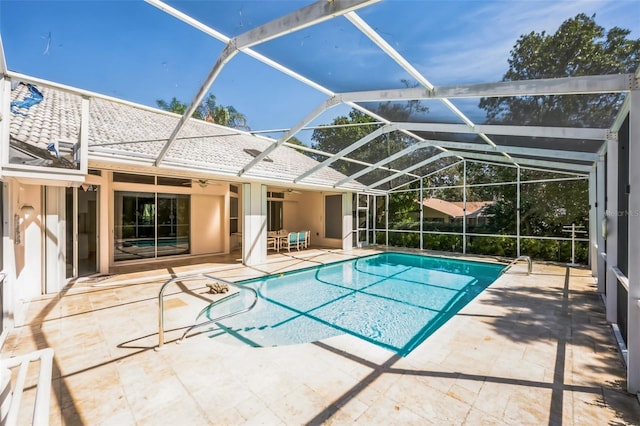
(393, 300)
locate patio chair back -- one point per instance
(291, 241)
(302, 239)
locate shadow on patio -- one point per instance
(530, 349)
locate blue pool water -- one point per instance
(393, 300)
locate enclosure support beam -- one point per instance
(380, 163)
(313, 114)
(373, 219)
(614, 83)
(600, 205)
(227, 54)
(611, 241)
(386, 218)
(593, 245)
(421, 213)
(352, 147)
(409, 169)
(464, 207)
(633, 215)
(554, 154)
(526, 162)
(508, 130)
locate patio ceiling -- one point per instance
(292, 41)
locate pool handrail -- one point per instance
(188, 277)
(514, 261)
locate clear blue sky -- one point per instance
(131, 50)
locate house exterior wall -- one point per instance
(312, 211)
(291, 214)
(27, 240)
(432, 214)
(304, 211)
(208, 224)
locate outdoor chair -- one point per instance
(272, 242)
(302, 239)
(290, 242)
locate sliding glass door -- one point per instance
(150, 225)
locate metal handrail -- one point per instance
(514, 261)
(187, 277)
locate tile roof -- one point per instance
(124, 130)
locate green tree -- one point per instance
(209, 110)
(341, 133)
(174, 106)
(579, 47)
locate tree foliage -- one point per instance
(209, 110)
(579, 47)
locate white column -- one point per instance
(55, 224)
(600, 205)
(633, 328)
(611, 242)
(593, 244)
(421, 198)
(254, 224)
(374, 218)
(347, 222)
(105, 237)
(386, 219)
(464, 207)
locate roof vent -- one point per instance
(254, 153)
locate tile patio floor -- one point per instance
(529, 350)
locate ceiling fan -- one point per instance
(285, 190)
(203, 183)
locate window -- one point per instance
(434, 219)
(150, 225)
(167, 181)
(132, 178)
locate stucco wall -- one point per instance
(208, 224)
(304, 211)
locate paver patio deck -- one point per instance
(528, 350)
